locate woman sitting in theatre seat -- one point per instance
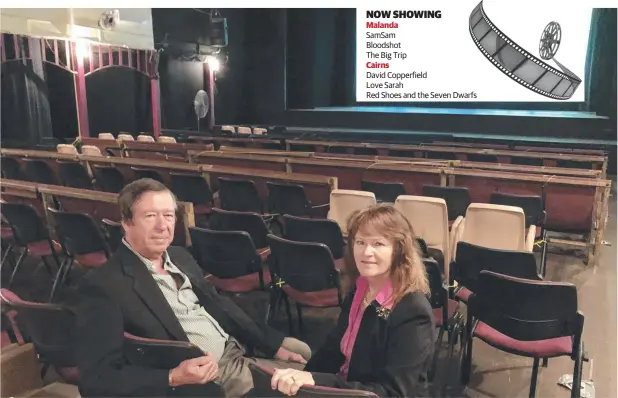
(384, 339)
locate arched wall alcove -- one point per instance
(82, 61)
(37, 89)
(118, 89)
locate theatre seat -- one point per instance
(344, 202)
(495, 227)
(66, 148)
(91, 150)
(145, 138)
(166, 139)
(429, 219)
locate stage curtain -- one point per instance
(320, 57)
(26, 116)
(601, 63)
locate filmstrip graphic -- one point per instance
(519, 64)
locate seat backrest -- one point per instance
(113, 233)
(166, 139)
(125, 137)
(27, 225)
(472, 259)
(78, 232)
(384, 191)
(438, 294)
(315, 230)
(305, 266)
(457, 198)
(140, 173)
(243, 130)
(532, 205)
(11, 169)
(495, 226)
(229, 129)
(158, 354)
(192, 188)
(429, 219)
(74, 175)
(106, 136)
(51, 327)
(145, 138)
(239, 195)
(252, 223)
(66, 148)
(262, 376)
(91, 150)
(344, 202)
(109, 179)
(39, 171)
(259, 131)
(288, 199)
(527, 310)
(225, 254)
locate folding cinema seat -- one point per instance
(344, 202)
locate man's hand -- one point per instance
(285, 355)
(195, 371)
(288, 381)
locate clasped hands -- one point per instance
(199, 370)
(205, 369)
(288, 381)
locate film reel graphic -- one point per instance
(518, 64)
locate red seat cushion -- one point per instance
(453, 307)
(69, 373)
(321, 298)
(242, 284)
(42, 248)
(5, 340)
(91, 259)
(463, 294)
(537, 349)
(202, 209)
(7, 233)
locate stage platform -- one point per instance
(426, 136)
(577, 127)
(459, 111)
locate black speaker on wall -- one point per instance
(218, 32)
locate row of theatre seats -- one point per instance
(145, 137)
(243, 245)
(142, 137)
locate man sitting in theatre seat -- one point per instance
(154, 290)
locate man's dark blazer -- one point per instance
(123, 296)
(392, 353)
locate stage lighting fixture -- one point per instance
(218, 32)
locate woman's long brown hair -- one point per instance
(408, 272)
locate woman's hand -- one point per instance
(288, 381)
